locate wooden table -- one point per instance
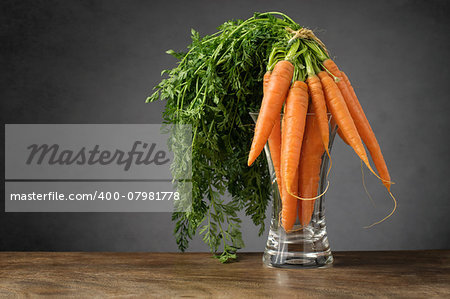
(390, 273)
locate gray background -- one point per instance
(96, 61)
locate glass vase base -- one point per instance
(306, 247)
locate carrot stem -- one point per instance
(293, 50)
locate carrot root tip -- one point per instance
(388, 216)
(364, 185)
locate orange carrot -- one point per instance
(283, 125)
(291, 141)
(289, 205)
(274, 139)
(292, 132)
(273, 100)
(299, 203)
(333, 125)
(287, 200)
(342, 135)
(361, 122)
(320, 108)
(309, 168)
(336, 105)
(368, 136)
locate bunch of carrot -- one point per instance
(311, 87)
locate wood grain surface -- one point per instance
(411, 274)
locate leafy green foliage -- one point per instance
(213, 88)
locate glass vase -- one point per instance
(304, 246)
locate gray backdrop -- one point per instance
(96, 61)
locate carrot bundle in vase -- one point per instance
(304, 140)
(214, 89)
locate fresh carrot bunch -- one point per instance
(214, 88)
(302, 78)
